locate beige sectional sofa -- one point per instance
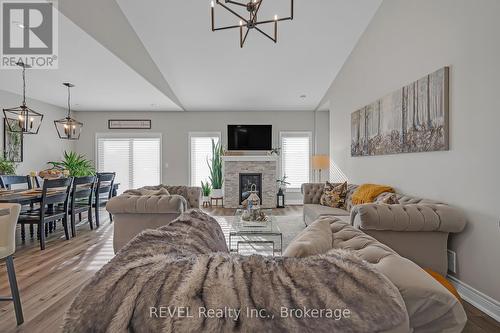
(415, 228)
(430, 306)
(137, 210)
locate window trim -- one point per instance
(198, 135)
(129, 135)
(295, 134)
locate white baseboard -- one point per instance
(481, 301)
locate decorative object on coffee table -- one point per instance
(253, 199)
(255, 232)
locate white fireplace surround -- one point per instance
(236, 165)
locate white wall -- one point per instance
(405, 41)
(44, 146)
(175, 127)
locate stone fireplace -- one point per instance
(247, 182)
(240, 172)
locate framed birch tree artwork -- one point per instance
(409, 120)
(12, 142)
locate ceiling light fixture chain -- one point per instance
(252, 22)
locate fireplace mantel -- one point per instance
(249, 158)
(251, 164)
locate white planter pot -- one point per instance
(205, 198)
(217, 193)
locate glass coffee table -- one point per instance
(255, 233)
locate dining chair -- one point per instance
(54, 193)
(7, 181)
(103, 192)
(8, 221)
(81, 200)
(34, 182)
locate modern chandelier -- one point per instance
(68, 128)
(250, 22)
(22, 119)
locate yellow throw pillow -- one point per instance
(334, 195)
(367, 193)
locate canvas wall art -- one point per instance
(12, 143)
(411, 119)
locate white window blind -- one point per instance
(136, 161)
(295, 157)
(200, 153)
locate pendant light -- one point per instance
(68, 128)
(22, 119)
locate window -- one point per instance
(295, 157)
(200, 147)
(136, 160)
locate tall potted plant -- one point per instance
(77, 165)
(215, 167)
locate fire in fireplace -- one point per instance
(246, 182)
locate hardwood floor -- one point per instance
(49, 280)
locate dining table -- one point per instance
(32, 196)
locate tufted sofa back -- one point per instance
(312, 194)
(192, 194)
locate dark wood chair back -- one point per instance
(105, 182)
(48, 198)
(7, 181)
(34, 182)
(83, 188)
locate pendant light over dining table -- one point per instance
(68, 128)
(23, 119)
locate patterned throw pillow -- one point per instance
(334, 195)
(390, 199)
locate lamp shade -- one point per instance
(320, 162)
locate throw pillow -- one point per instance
(390, 199)
(315, 239)
(334, 195)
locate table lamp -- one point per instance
(320, 162)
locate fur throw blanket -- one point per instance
(181, 278)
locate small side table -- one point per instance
(216, 201)
(206, 204)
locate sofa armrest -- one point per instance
(410, 217)
(312, 192)
(193, 196)
(146, 204)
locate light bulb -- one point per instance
(241, 23)
(276, 17)
(212, 4)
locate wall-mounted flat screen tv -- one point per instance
(249, 137)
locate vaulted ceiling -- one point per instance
(129, 55)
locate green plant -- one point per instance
(7, 167)
(282, 181)
(206, 189)
(215, 165)
(77, 165)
